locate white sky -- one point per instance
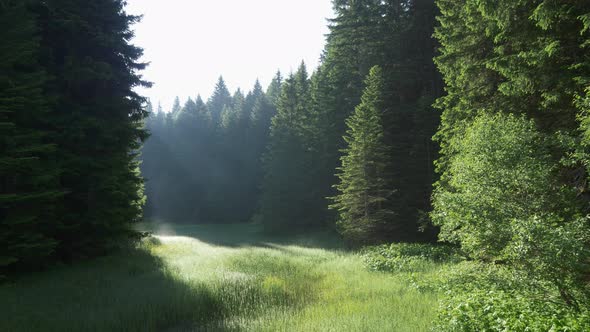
(191, 42)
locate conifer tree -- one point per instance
(254, 95)
(98, 120)
(176, 108)
(260, 119)
(189, 109)
(365, 187)
(285, 189)
(28, 169)
(396, 35)
(203, 116)
(274, 89)
(149, 108)
(232, 114)
(220, 98)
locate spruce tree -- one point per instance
(273, 92)
(260, 120)
(286, 185)
(28, 168)
(220, 98)
(98, 120)
(396, 35)
(365, 187)
(176, 108)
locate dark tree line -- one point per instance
(70, 127)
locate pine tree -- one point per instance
(98, 120)
(365, 187)
(273, 92)
(260, 119)
(252, 97)
(396, 35)
(203, 116)
(28, 169)
(220, 98)
(522, 58)
(232, 114)
(285, 189)
(189, 109)
(149, 108)
(176, 108)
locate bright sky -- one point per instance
(191, 42)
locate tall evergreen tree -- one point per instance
(396, 35)
(98, 118)
(176, 108)
(220, 98)
(28, 169)
(286, 186)
(260, 120)
(365, 187)
(273, 92)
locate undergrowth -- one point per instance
(478, 296)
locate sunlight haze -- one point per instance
(190, 43)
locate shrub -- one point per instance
(407, 257)
(503, 201)
(487, 297)
(498, 310)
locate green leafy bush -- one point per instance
(478, 296)
(498, 310)
(488, 297)
(503, 201)
(503, 175)
(407, 257)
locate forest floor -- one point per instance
(219, 278)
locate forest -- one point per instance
(431, 174)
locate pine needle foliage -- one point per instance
(364, 187)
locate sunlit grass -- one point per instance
(228, 278)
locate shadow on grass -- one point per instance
(137, 291)
(131, 291)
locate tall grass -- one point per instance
(218, 278)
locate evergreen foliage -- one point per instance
(196, 168)
(365, 188)
(286, 185)
(71, 130)
(350, 141)
(396, 35)
(219, 100)
(302, 145)
(29, 186)
(97, 118)
(513, 162)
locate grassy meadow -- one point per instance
(220, 278)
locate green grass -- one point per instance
(220, 278)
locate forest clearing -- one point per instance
(310, 165)
(219, 278)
